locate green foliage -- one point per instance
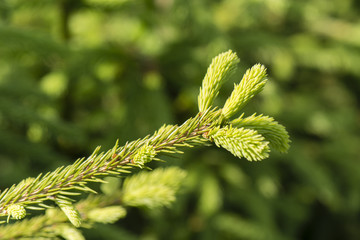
(252, 83)
(107, 214)
(241, 142)
(78, 74)
(155, 189)
(70, 211)
(271, 130)
(220, 69)
(100, 208)
(152, 190)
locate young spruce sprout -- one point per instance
(249, 137)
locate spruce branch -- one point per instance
(220, 70)
(249, 138)
(72, 180)
(272, 131)
(241, 142)
(101, 208)
(251, 84)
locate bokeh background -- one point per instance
(78, 74)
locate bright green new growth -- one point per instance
(251, 84)
(241, 142)
(154, 189)
(70, 211)
(69, 233)
(220, 69)
(107, 215)
(144, 155)
(272, 131)
(250, 138)
(16, 211)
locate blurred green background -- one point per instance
(77, 74)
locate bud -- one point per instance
(144, 155)
(16, 211)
